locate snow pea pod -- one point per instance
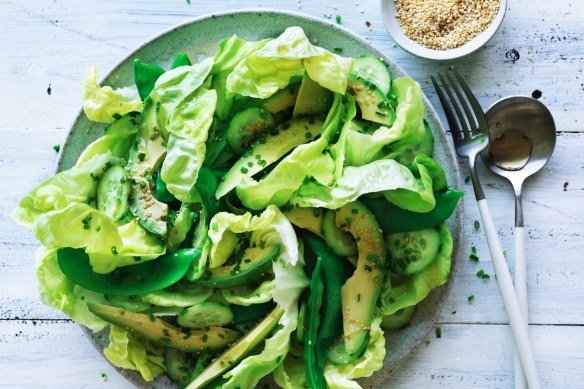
(138, 279)
(333, 278)
(314, 365)
(181, 59)
(145, 76)
(394, 219)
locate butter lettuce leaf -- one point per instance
(188, 128)
(232, 51)
(341, 376)
(269, 69)
(409, 188)
(103, 103)
(130, 352)
(58, 291)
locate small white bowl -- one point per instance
(388, 11)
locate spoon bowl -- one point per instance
(522, 136)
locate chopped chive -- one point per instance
(338, 19)
(358, 297)
(477, 224)
(244, 170)
(104, 376)
(482, 275)
(114, 250)
(466, 179)
(474, 258)
(338, 50)
(438, 332)
(57, 148)
(470, 298)
(354, 211)
(473, 249)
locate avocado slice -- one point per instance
(374, 104)
(281, 103)
(276, 144)
(360, 292)
(145, 156)
(307, 218)
(250, 265)
(312, 99)
(239, 350)
(163, 333)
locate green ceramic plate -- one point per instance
(199, 38)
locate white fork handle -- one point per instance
(510, 301)
(521, 289)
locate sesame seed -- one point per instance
(445, 24)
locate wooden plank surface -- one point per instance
(49, 43)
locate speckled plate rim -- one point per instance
(428, 310)
(392, 26)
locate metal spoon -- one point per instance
(522, 139)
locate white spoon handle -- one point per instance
(521, 289)
(510, 301)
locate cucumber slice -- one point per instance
(247, 126)
(374, 70)
(113, 192)
(341, 242)
(338, 354)
(204, 315)
(178, 366)
(411, 252)
(399, 319)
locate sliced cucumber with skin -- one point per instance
(374, 70)
(205, 314)
(247, 126)
(113, 193)
(411, 252)
(341, 242)
(338, 354)
(179, 366)
(398, 320)
(374, 105)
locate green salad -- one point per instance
(268, 211)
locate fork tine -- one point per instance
(467, 111)
(479, 113)
(449, 115)
(461, 118)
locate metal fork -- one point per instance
(470, 132)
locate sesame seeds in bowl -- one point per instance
(442, 29)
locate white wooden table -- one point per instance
(46, 46)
